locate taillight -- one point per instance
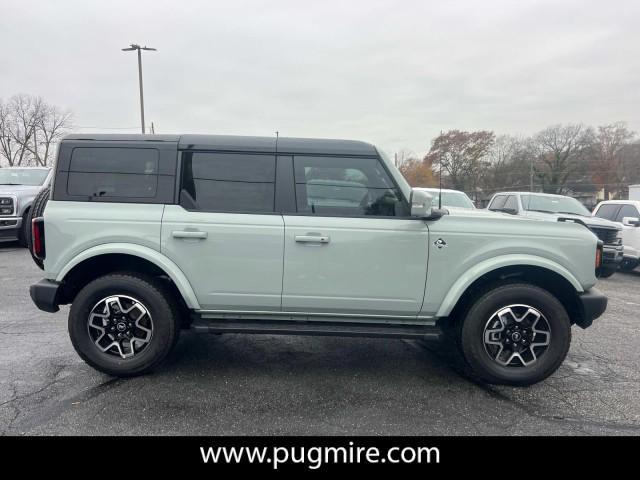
(37, 232)
(599, 254)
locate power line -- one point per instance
(108, 128)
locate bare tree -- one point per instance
(559, 148)
(460, 155)
(29, 128)
(608, 159)
(51, 125)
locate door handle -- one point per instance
(196, 234)
(312, 238)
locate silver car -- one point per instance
(18, 188)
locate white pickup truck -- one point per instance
(625, 213)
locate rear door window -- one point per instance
(228, 182)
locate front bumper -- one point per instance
(631, 253)
(45, 295)
(10, 228)
(592, 305)
(612, 255)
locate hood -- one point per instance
(478, 212)
(20, 190)
(589, 221)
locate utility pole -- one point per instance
(531, 175)
(139, 49)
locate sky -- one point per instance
(394, 73)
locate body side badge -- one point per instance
(440, 243)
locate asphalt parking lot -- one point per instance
(276, 385)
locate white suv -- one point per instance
(627, 214)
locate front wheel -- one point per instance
(628, 265)
(123, 324)
(516, 334)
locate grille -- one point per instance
(6, 206)
(609, 236)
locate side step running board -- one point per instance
(341, 329)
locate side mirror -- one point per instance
(631, 221)
(421, 204)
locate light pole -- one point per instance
(139, 49)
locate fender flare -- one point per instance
(146, 253)
(487, 266)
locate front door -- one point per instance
(351, 248)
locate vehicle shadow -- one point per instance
(632, 274)
(316, 359)
(9, 246)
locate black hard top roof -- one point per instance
(242, 143)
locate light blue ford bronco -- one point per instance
(145, 235)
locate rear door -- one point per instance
(350, 247)
(225, 234)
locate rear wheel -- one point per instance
(123, 324)
(516, 334)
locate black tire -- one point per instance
(628, 265)
(480, 313)
(25, 230)
(606, 272)
(153, 295)
(37, 210)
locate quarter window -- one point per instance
(233, 182)
(345, 187)
(113, 172)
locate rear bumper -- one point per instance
(592, 305)
(45, 295)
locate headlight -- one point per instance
(5, 211)
(5, 201)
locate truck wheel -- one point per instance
(37, 210)
(606, 272)
(123, 324)
(515, 334)
(628, 265)
(25, 230)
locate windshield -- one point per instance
(23, 176)
(452, 199)
(543, 203)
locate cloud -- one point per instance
(394, 73)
